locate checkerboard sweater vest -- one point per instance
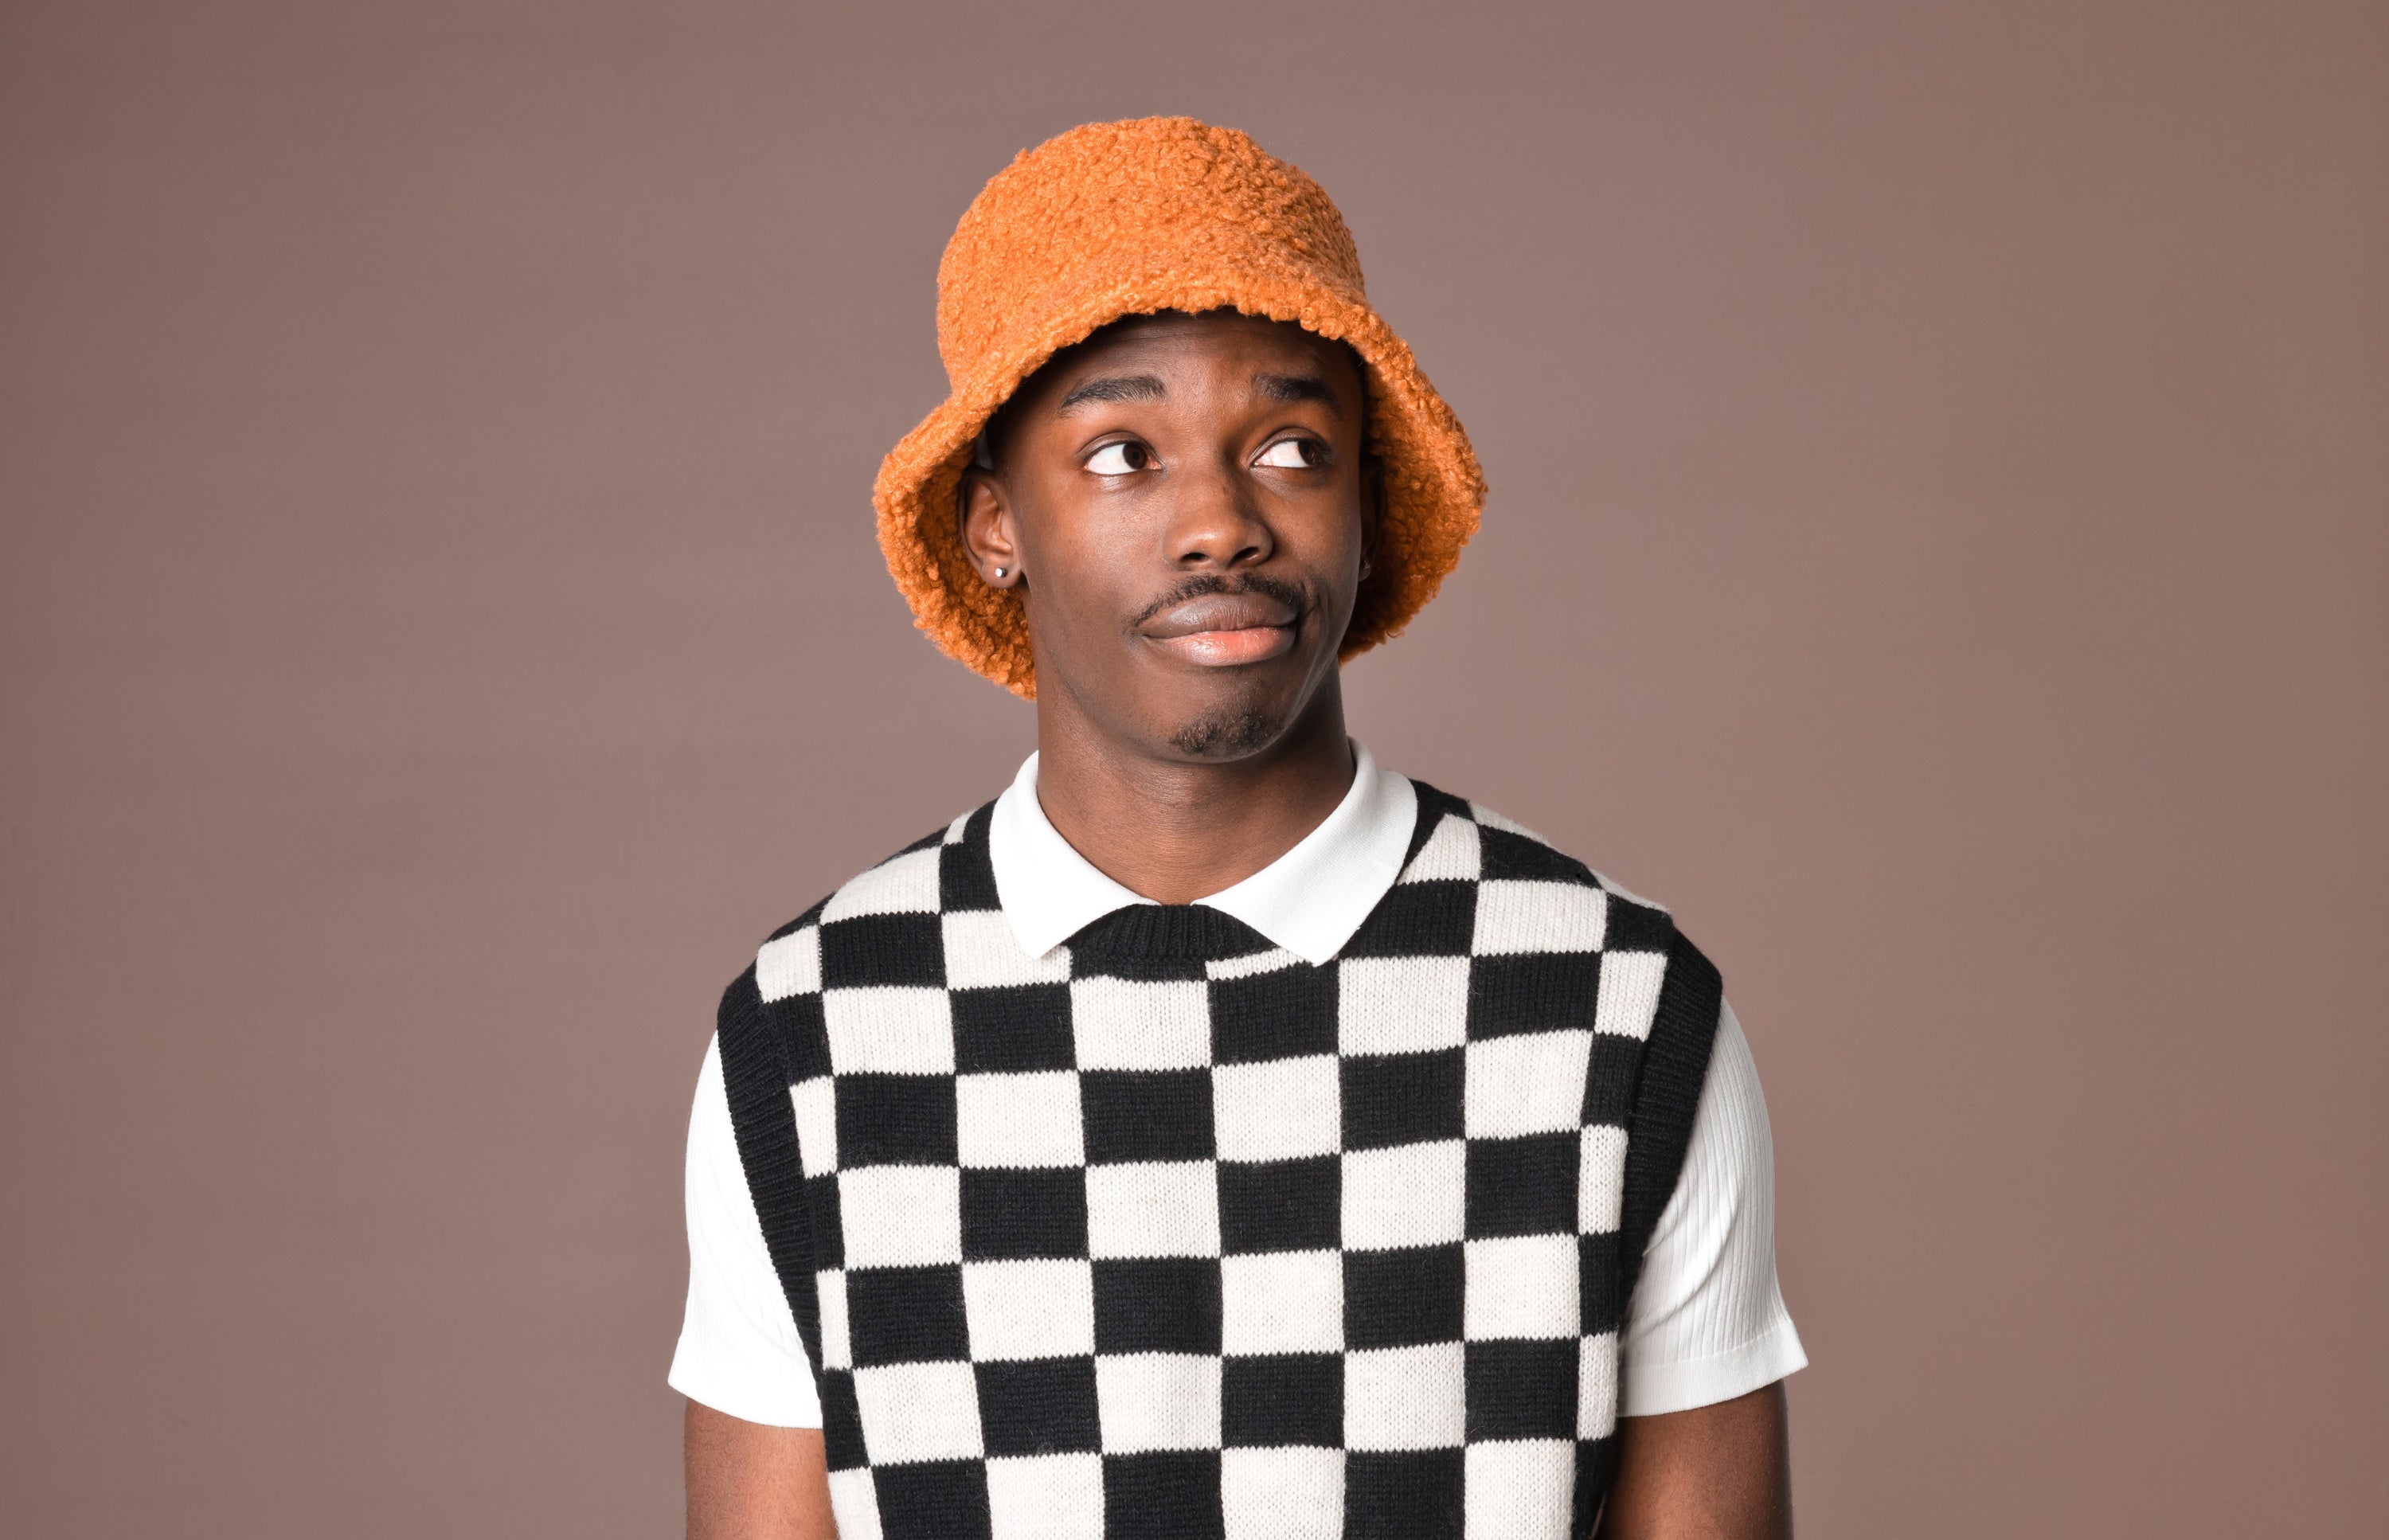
(1169, 1232)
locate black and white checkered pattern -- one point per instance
(1170, 1232)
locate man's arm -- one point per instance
(756, 1470)
(1716, 1472)
(748, 1481)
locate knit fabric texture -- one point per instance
(1169, 1232)
(1121, 218)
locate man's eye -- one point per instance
(1121, 459)
(1293, 454)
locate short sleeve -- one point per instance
(1706, 1322)
(739, 1352)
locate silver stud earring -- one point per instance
(999, 574)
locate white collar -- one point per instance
(1309, 900)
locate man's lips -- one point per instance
(1221, 629)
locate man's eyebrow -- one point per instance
(1115, 388)
(1295, 388)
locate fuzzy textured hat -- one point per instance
(1122, 219)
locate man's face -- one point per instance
(1186, 501)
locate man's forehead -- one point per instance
(1157, 344)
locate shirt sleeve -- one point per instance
(1706, 1322)
(739, 1352)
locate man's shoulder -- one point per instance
(913, 885)
(1463, 840)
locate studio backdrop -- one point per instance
(1937, 543)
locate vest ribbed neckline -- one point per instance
(1167, 933)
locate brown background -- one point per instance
(1937, 544)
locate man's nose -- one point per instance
(1216, 524)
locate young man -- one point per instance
(1215, 1135)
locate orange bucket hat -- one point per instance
(1112, 220)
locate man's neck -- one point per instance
(1176, 829)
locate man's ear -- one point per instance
(983, 508)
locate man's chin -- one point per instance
(1228, 735)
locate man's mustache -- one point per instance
(1292, 596)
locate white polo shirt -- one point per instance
(1707, 1321)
